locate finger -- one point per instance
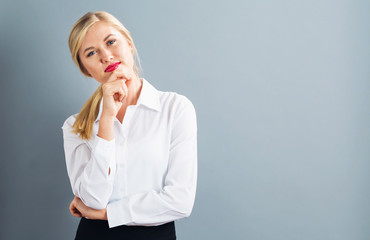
(71, 206)
(118, 94)
(121, 94)
(114, 87)
(113, 76)
(125, 88)
(116, 97)
(76, 213)
(73, 210)
(117, 74)
(121, 72)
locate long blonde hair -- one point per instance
(83, 126)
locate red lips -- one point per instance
(112, 67)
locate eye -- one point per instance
(91, 53)
(110, 42)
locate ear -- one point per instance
(131, 49)
(130, 44)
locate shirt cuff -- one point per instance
(100, 146)
(105, 150)
(118, 213)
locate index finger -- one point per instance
(117, 74)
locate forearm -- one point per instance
(152, 208)
(91, 169)
(106, 127)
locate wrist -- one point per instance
(106, 128)
(106, 118)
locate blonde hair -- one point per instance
(86, 118)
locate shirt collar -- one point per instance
(149, 97)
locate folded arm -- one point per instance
(175, 200)
(90, 166)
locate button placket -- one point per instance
(119, 151)
(123, 165)
(127, 119)
(124, 129)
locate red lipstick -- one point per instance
(112, 67)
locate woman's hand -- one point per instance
(114, 92)
(79, 209)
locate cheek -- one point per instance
(91, 67)
(130, 59)
(126, 54)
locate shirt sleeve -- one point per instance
(88, 164)
(176, 199)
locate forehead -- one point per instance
(97, 33)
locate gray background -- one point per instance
(281, 90)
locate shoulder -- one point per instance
(68, 134)
(174, 101)
(179, 110)
(68, 123)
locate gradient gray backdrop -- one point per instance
(281, 90)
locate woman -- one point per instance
(131, 152)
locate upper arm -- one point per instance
(182, 169)
(76, 153)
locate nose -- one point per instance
(105, 56)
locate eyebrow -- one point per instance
(105, 39)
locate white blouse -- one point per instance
(153, 161)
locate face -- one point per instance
(102, 46)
